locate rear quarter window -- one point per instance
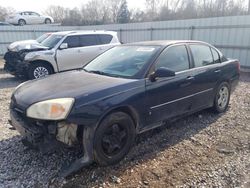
(215, 56)
(105, 39)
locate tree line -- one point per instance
(96, 12)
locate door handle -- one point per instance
(217, 71)
(189, 78)
(187, 82)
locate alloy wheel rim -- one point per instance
(21, 22)
(223, 97)
(114, 139)
(40, 72)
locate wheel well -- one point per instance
(45, 62)
(21, 19)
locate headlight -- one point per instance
(54, 109)
(13, 49)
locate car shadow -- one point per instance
(245, 76)
(147, 146)
(10, 82)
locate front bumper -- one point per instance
(14, 63)
(37, 136)
(43, 136)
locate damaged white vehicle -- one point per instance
(61, 51)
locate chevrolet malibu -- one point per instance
(125, 91)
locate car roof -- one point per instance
(165, 42)
(85, 32)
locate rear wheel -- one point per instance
(39, 70)
(21, 22)
(47, 21)
(222, 98)
(113, 138)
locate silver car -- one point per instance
(29, 17)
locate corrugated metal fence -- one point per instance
(230, 34)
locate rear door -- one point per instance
(207, 72)
(90, 48)
(169, 97)
(34, 18)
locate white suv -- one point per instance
(29, 17)
(61, 51)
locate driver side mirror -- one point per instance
(63, 46)
(161, 73)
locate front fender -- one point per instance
(91, 114)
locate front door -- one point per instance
(169, 97)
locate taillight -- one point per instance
(238, 65)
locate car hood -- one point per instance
(21, 44)
(80, 85)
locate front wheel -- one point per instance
(113, 138)
(21, 22)
(222, 98)
(39, 70)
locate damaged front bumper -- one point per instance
(37, 135)
(49, 136)
(15, 64)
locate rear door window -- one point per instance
(202, 55)
(89, 40)
(105, 39)
(72, 41)
(174, 58)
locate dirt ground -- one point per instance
(202, 150)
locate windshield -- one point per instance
(52, 40)
(43, 37)
(122, 61)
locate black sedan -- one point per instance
(125, 91)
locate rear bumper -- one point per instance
(234, 82)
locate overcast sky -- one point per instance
(40, 5)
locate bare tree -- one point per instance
(56, 12)
(115, 11)
(5, 11)
(95, 12)
(72, 17)
(114, 6)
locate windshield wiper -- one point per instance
(101, 73)
(95, 71)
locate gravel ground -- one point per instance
(202, 150)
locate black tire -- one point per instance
(218, 107)
(47, 21)
(21, 22)
(120, 143)
(33, 71)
